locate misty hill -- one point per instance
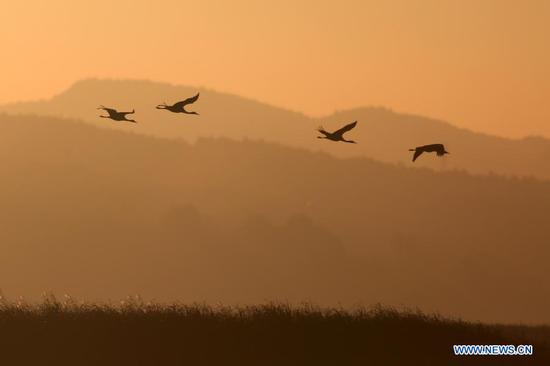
(99, 214)
(382, 134)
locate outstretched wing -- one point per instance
(417, 153)
(187, 101)
(111, 111)
(322, 130)
(345, 129)
(108, 110)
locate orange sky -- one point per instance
(480, 64)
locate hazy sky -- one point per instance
(481, 64)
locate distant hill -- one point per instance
(98, 214)
(383, 135)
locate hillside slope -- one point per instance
(99, 214)
(382, 134)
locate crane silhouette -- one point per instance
(437, 148)
(116, 115)
(337, 135)
(179, 107)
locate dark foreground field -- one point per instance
(135, 333)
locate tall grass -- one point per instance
(134, 332)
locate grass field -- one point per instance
(137, 333)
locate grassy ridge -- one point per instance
(135, 333)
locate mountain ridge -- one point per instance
(382, 134)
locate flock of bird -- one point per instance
(337, 136)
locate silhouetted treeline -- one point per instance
(99, 214)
